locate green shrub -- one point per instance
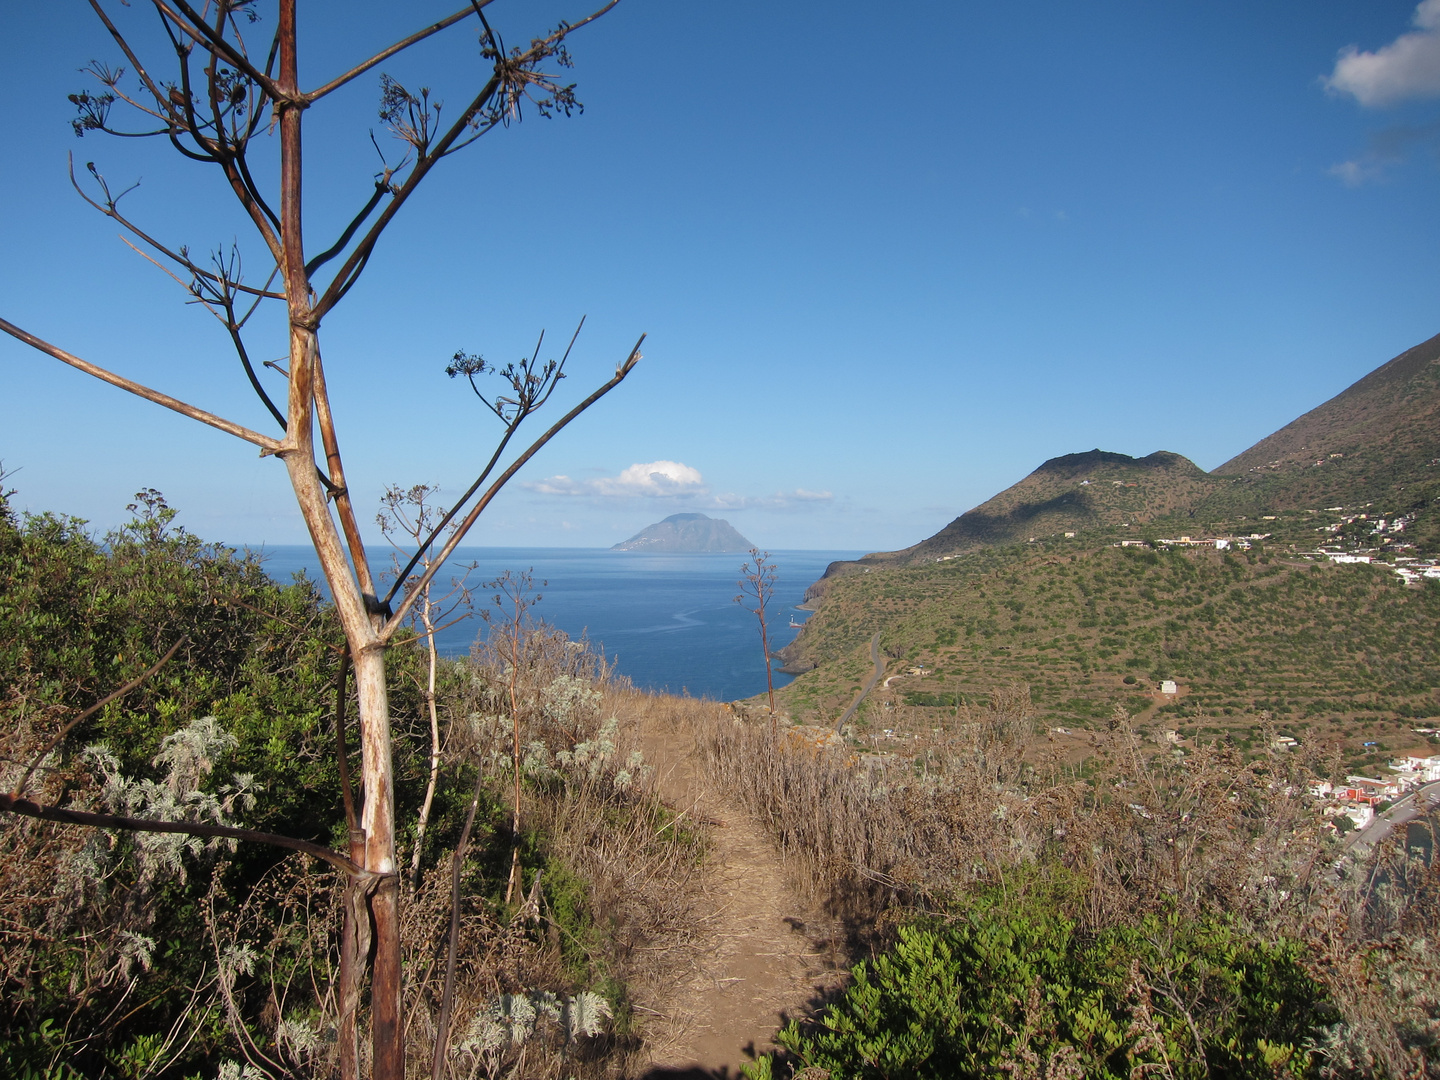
(1018, 987)
(79, 617)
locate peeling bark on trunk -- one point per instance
(427, 620)
(377, 810)
(377, 818)
(354, 951)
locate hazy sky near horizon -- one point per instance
(890, 257)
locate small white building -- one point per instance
(1168, 686)
(1361, 814)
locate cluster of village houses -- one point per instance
(1219, 543)
(1358, 796)
(1388, 530)
(1413, 570)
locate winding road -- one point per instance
(869, 683)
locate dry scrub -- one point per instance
(544, 987)
(882, 838)
(613, 877)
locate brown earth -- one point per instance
(760, 956)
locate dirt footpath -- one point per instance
(760, 957)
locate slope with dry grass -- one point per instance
(1139, 834)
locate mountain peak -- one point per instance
(1379, 439)
(686, 532)
(1078, 464)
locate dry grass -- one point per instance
(592, 798)
(879, 839)
(986, 796)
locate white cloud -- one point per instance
(654, 479)
(674, 480)
(781, 500)
(1409, 67)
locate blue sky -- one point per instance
(890, 258)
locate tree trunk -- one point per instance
(427, 620)
(377, 810)
(377, 813)
(377, 818)
(354, 950)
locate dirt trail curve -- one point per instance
(869, 683)
(754, 961)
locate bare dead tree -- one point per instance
(757, 586)
(222, 106)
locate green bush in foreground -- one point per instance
(1018, 989)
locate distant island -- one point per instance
(686, 532)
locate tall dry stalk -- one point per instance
(757, 586)
(219, 107)
(511, 639)
(410, 511)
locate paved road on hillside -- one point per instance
(1406, 810)
(869, 685)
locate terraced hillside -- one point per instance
(1319, 646)
(1377, 441)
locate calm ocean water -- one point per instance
(669, 621)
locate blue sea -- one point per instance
(668, 621)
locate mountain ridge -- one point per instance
(1378, 439)
(1393, 392)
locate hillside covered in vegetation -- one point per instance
(1321, 647)
(1064, 583)
(1374, 441)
